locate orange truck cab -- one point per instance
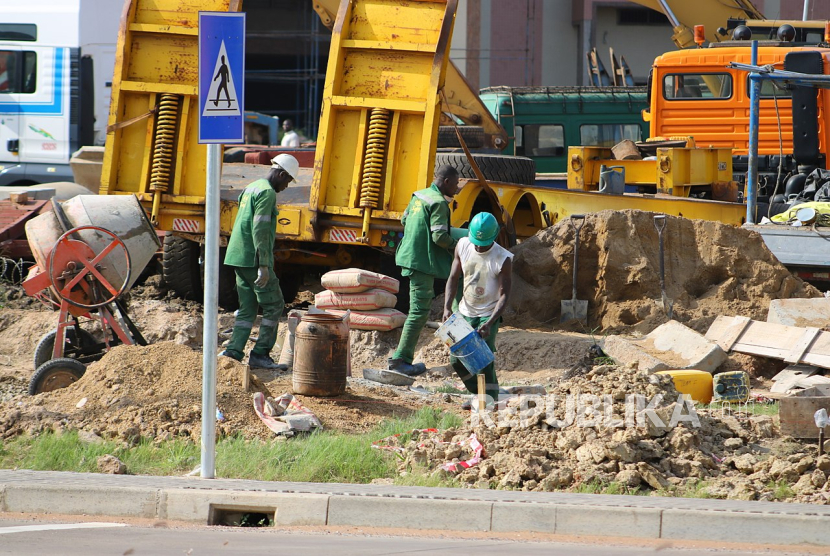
(694, 93)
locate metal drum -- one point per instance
(322, 358)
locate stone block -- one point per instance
(804, 313)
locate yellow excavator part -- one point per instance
(461, 101)
(685, 14)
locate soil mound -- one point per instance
(597, 435)
(711, 269)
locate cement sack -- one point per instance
(383, 320)
(365, 301)
(355, 280)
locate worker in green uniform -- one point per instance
(425, 253)
(251, 253)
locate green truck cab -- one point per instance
(542, 122)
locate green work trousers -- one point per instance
(420, 299)
(251, 298)
(470, 381)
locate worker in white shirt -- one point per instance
(485, 269)
(290, 138)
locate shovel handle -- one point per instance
(660, 222)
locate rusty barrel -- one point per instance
(322, 358)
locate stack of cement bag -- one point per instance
(368, 295)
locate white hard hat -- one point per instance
(287, 163)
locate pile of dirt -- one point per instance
(712, 269)
(155, 392)
(594, 434)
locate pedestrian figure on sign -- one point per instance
(223, 83)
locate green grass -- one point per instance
(780, 490)
(447, 389)
(319, 457)
(596, 486)
(751, 408)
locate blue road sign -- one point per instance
(221, 77)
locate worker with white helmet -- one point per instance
(251, 253)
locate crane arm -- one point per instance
(460, 99)
(684, 15)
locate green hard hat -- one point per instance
(483, 229)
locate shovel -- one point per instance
(660, 225)
(573, 308)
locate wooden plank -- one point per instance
(796, 415)
(767, 339)
(802, 346)
(726, 331)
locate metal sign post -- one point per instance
(221, 111)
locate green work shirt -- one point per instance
(254, 231)
(427, 245)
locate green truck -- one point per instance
(542, 122)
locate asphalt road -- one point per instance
(48, 537)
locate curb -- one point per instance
(619, 516)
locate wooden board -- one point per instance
(810, 346)
(796, 414)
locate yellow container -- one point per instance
(697, 384)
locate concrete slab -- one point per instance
(289, 509)
(518, 516)
(669, 346)
(623, 521)
(82, 500)
(36, 193)
(813, 312)
(746, 527)
(377, 511)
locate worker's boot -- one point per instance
(265, 362)
(408, 369)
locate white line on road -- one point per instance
(55, 526)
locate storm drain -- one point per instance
(242, 516)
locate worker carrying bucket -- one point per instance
(485, 269)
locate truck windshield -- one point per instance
(706, 86)
(608, 135)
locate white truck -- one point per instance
(56, 66)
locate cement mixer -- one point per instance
(89, 251)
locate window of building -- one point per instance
(18, 32)
(18, 71)
(608, 135)
(697, 85)
(542, 140)
(640, 16)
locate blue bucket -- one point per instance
(473, 352)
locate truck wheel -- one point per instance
(56, 374)
(290, 283)
(180, 267)
(228, 299)
(508, 169)
(72, 349)
(473, 135)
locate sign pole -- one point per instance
(211, 309)
(221, 121)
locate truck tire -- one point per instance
(508, 169)
(180, 267)
(473, 136)
(290, 284)
(56, 374)
(46, 345)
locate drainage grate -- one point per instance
(242, 516)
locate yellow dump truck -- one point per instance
(383, 99)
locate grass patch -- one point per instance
(780, 490)
(447, 389)
(596, 486)
(742, 409)
(325, 456)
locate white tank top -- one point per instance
(481, 277)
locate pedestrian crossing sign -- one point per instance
(221, 77)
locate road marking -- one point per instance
(56, 526)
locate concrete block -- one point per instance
(35, 193)
(81, 500)
(516, 516)
(409, 513)
(624, 351)
(289, 509)
(746, 527)
(669, 346)
(804, 313)
(621, 521)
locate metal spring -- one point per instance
(370, 185)
(168, 115)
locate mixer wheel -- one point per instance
(56, 374)
(73, 349)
